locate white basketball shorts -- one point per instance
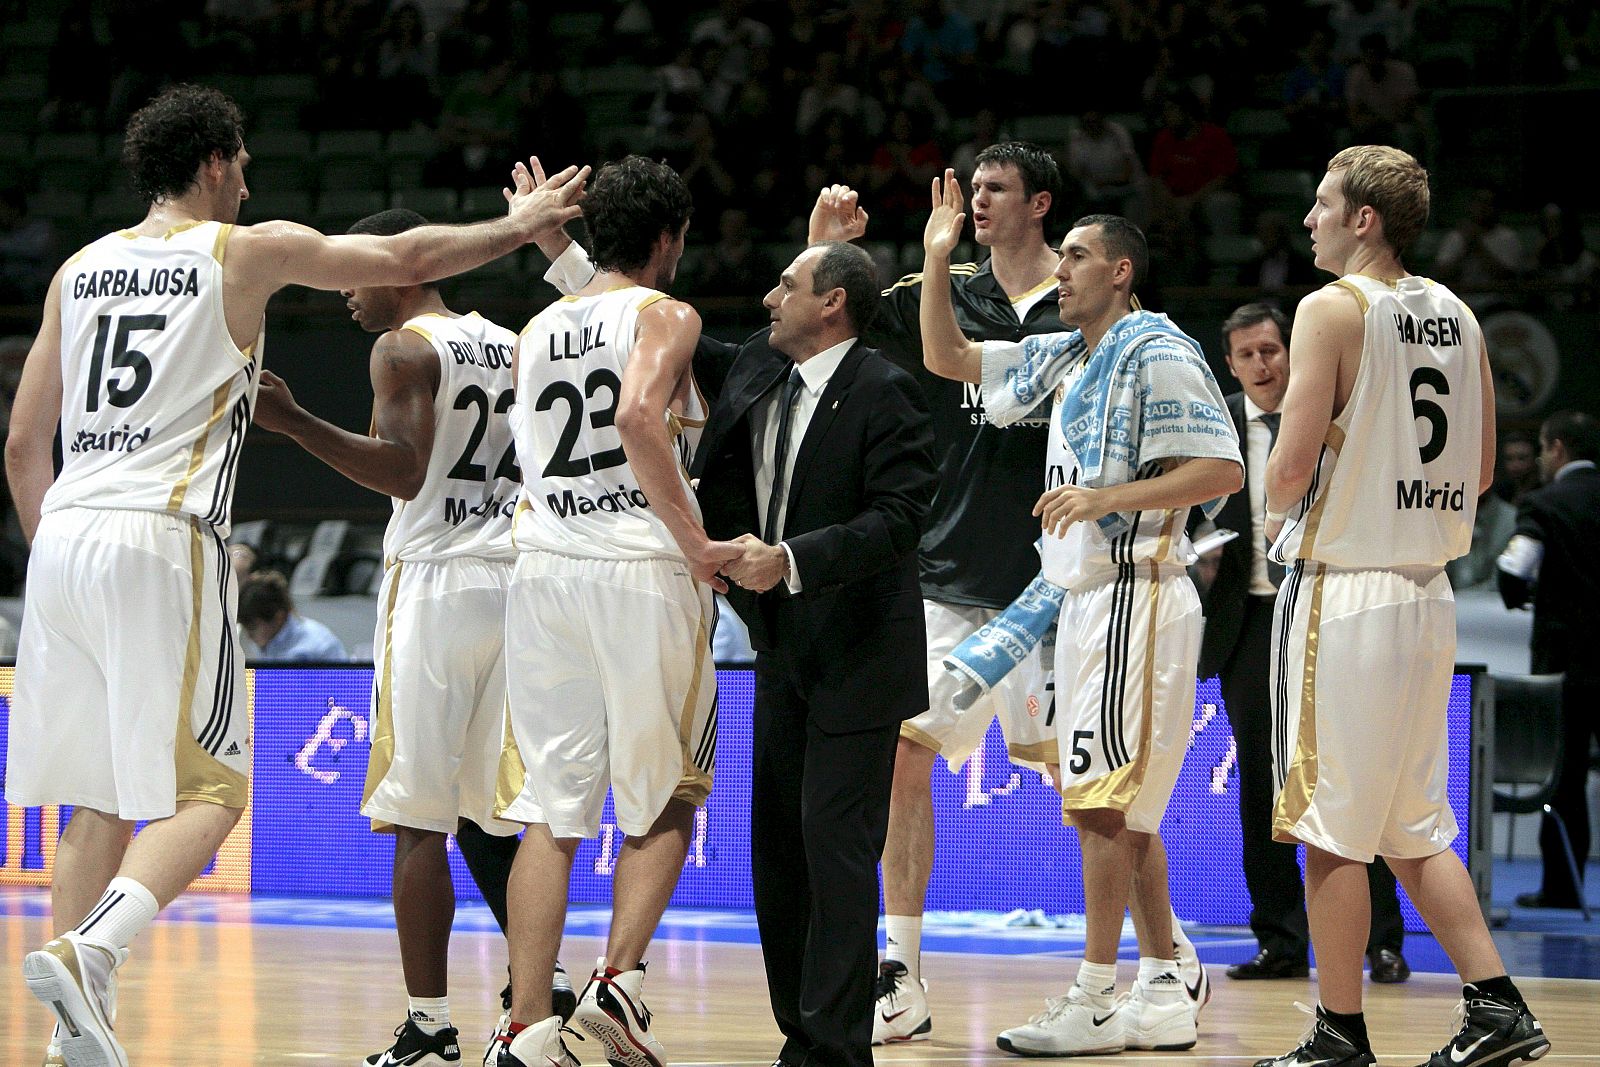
(1361, 668)
(1127, 646)
(1024, 700)
(610, 683)
(130, 685)
(438, 696)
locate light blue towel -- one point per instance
(1107, 415)
(1005, 640)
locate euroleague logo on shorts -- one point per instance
(1033, 706)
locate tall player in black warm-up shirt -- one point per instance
(977, 550)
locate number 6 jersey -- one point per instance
(156, 397)
(1396, 482)
(465, 503)
(579, 496)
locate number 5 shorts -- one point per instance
(1127, 645)
(130, 687)
(438, 695)
(610, 683)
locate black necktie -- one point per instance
(780, 456)
(1269, 419)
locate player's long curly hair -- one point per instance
(170, 137)
(631, 203)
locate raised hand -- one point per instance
(837, 216)
(943, 231)
(539, 206)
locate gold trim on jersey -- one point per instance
(1133, 303)
(921, 737)
(1048, 283)
(963, 269)
(1355, 290)
(1333, 439)
(1119, 789)
(198, 774)
(1043, 753)
(511, 774)
(419, 331)
(197, 456)
(79, 254)
(382, 753)
(219, 247)
(695, 785)
(653, 298)
(1164, 542)
(1298, 785)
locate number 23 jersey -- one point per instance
(156, 397)
(465, 503)
(580, 497)
(1396, 482)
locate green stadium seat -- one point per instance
(435, 205)
(1044, 129)
(277, 204)
(58, 203)
(1230, 250)
(350, 144)
(338, 210)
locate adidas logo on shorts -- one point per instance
(233, 749)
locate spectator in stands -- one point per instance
(1519, 467)
(985, 132)
(408, 69)
(1564, 258)
(278, 632)
(1280, 265)
(680, 92)
(1381, 95)
(736, 33)
(702, 170)
(829, 90)
(484, 32)
(476, 128)
(872, 34)
(27, 250)
(79, 71)
(898, 85)
(1352, 21)
(942, 42)
(1314, 102)
(1102, 160)
(549, 117)
(1480, 252)
(1192, 163)
(736, 265)
(905, 163)
(833, 154)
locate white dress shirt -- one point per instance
(814, 374)
(1258, 440)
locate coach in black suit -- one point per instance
(1237, 644)
(1553, 558)
(818, 456)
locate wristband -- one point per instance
(1276, 516)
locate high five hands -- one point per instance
(837, 216)
(544, 203)
(943, 231)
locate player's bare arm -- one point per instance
(946, 351)
(1183, 483)
(394, 459)
(837, 216)
(1327, 332)
(264, 258)
(656, 371)
(1490, 445)
(34, 414)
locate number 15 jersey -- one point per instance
(1396, 482)
(156, 397)
(465, 503)
(579, 495)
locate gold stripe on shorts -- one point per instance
(199, 774)
(512, 775)
(1301, 781)
(695, 785)
(382, 754)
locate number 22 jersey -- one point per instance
(156, 397)
(1396, 482)
(579, 496)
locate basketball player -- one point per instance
(1129, 630)
(608, 620)
(129, 675)
(441, 447)
(977, 553)
(1386, 440)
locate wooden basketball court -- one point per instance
(236, 994)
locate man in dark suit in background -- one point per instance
(1552, 559)
(1237, 643)
(818, 456)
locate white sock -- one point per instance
(1180, 940)
(1158, 979)
(117, 918)
(1099, 980)
(430, 1014)
(903, 942)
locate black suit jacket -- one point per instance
(858, 496)
(1221, 603)
(1565, 517)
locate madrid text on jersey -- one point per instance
(458, 510)
(1420, 495)
(161, 281)
(569, 503)
(121, 439)
(1443, 332)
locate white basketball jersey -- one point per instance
(1396, 483)
(1083, 552)
(579, 496)
(464, 506)
(156, 397)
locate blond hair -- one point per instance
(1389, 181)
